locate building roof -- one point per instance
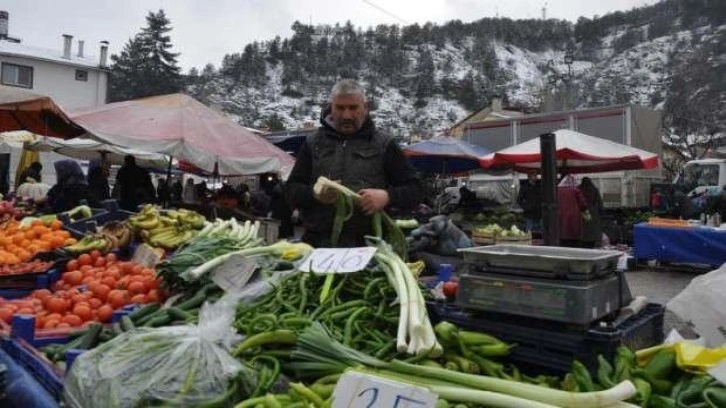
(21, 50)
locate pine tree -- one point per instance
(146, 65)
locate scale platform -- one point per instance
(570, 301)
(542, 262)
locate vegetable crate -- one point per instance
(525, 239)
(23, 327)
(81, 228)
(17, 286)
(35, 363)
(22, 390)
(552, 347)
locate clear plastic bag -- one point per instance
(178, 365)
(703, 305)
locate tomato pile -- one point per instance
(19, 244)
(90, 289)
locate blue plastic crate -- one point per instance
(23, 390)
(35, 363)
(23, 327)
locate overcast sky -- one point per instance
(205, 30)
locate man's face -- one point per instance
(532, 177)
(348, 113)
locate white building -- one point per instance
(73, 78)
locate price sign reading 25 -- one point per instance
(357, 390)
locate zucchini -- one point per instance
(179, 314)
(144, 311)
(90, 339)
(127, 324)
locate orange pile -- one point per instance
(18, 244)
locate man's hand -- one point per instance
(372, 200)
(327, 196)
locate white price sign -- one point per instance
(358, 390)
(234, 274)
(337, 260)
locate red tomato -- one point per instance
(85, 259)
(72, 265)
(450, 288)
(95, 254)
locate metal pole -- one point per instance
(550, 224)
(168, 180)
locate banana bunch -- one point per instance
(166, 229)
(119, 233)
(90, 243)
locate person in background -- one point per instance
(260, 203)
(133, 185)
(592, 225)
(33, 171)
(98, 180)
(243, 193)
(227, 197)
(279, 208)
(530, 199)
(177, 190)
(348, 147)
(202, 192)
(190, 192)
(71, 188)
(571, 210)
(163, 192)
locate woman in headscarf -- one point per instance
(571, 209)
(592, 227)
(98, 180)
(71, 187)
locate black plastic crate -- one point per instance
(80, 228)
(552, 347)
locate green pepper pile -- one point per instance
(660, 382)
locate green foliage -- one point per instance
(274, 122)
(146, 65)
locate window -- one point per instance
(81, 75)
(17, 75)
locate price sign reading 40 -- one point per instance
(337, 260)
(357, 390)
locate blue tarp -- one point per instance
(444, 155)
(697, 245)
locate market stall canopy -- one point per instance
(444, 155)
(88, 149)
(179, 126)
(575, 153)
(24, 110)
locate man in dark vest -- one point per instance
(348, 148)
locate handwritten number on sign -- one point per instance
(353, 260)
(327, 264)
(400, 398)
(374, 391)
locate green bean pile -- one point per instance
(355, 308)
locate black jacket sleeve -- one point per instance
(299, 187)
(405, 190)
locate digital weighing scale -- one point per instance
(569, 285)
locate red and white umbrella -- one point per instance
(575, 153)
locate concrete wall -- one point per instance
(59, 82)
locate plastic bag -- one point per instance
(180, 365)
(703, 305)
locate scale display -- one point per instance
(580, 302)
